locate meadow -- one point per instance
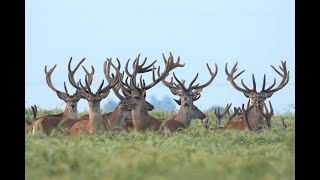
(191, 154)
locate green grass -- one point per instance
(191, 154)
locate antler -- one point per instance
(106, 71)
(89, 76)
(48, 79)
(268, 114)
(170, 65)
(231, 78)
(34, 111)
(213, 75)
(226, 110)
(285, 78)
(244, 113)
(180, 87)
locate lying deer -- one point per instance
(241, 122)
(255, 117)
(238, 124)
(70, 115)
(141, 119)
(121, 117)
(95, 121)
(187, 96)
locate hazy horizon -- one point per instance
(256, 34)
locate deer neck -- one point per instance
(184, 117)
(116, 119)
(142, 120)
(69, 113)
(95, 118)
(255, 119)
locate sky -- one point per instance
(256, 34)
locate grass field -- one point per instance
(191, 154)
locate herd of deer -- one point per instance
(132, 110)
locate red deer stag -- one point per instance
(187, 96)
(95, 121)
(121, 117)
(219, 116)
(239, 124)
(70, 115)
(254, 115)
(136, 102)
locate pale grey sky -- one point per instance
(256, 34)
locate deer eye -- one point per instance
(136, 97)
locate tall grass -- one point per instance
(190, 154)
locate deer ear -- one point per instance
(236, 110)
(198, 91)
(177, 101)
(125, 93)
(62, 96)
(269, 94)
(104, 94)
(247, 94)
(81, 94)
(174, 91)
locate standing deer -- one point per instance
(255, 117)
(95, 121)
(70, 114)
(187, 96)
(136, 102)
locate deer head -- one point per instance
(126, 92)
(70, 100)
(188, 95)
(258, 97)
(255, 117)
(86, 93)
(137, 92)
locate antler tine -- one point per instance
(48, 77)
(248, 104)
(65, 88)
(164, 59)
(180, 83)
(106, 70)
(264, 82)
(173, 88)
(254, 83)
(272, 85)
(90, 75)
(213, 75)
(285, 77)
(34, 111)
(226, 109)
(84, 89)
(126, 69)
(248, 89)
(231, 78)
(71, 74)
(246, 119)
(190, 86)
(196, 97)
(114, 81)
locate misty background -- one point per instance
(256, 34)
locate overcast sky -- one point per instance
(256, 34)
